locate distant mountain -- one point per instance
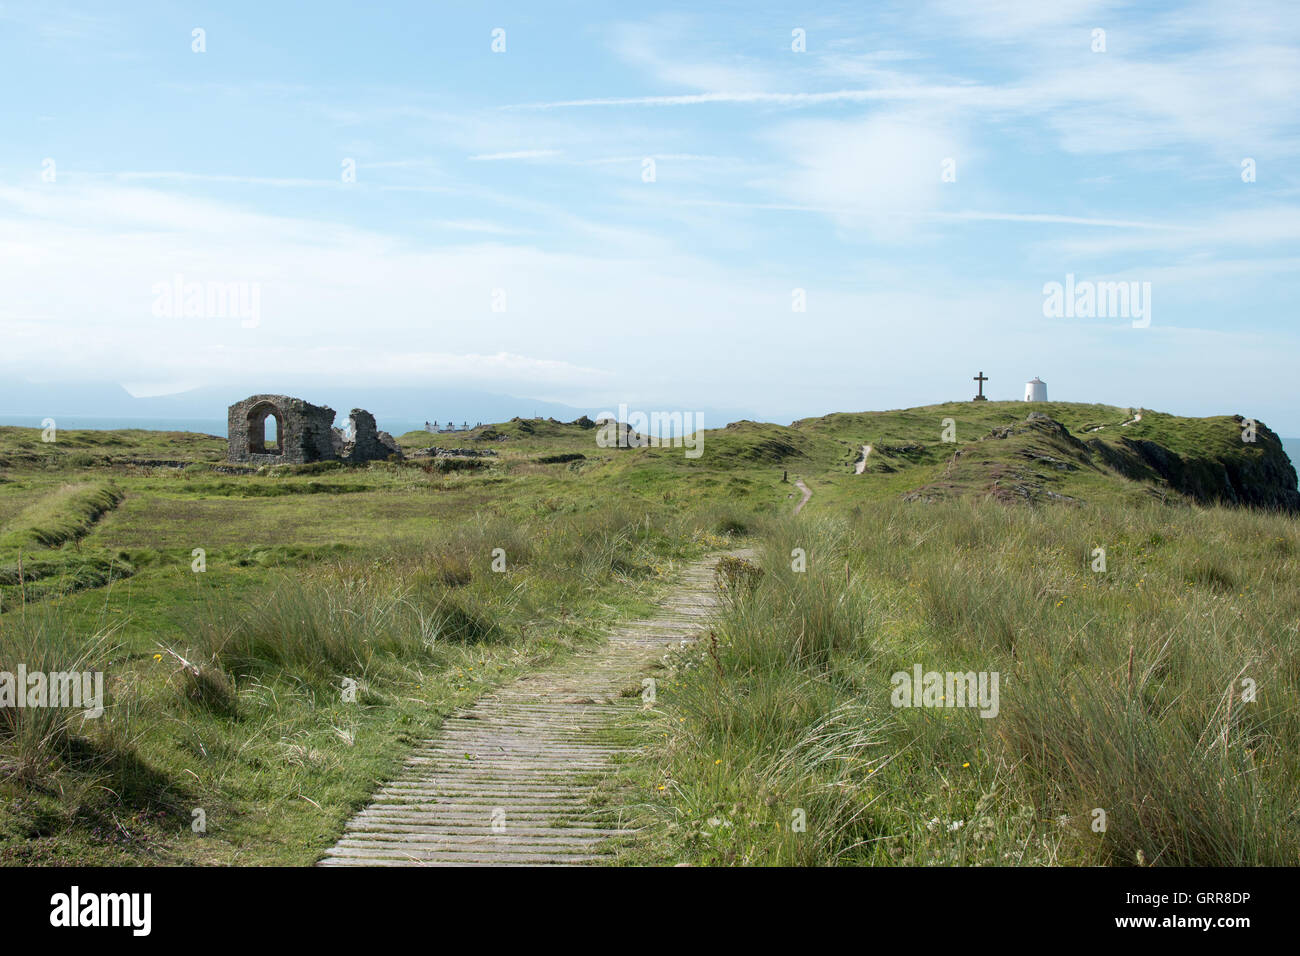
(397, 409)
(406, 403)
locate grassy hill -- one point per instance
(1067, 452)
(975, 552)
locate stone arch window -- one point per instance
(257, 416)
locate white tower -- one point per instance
(1035, 390)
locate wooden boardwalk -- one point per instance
(507, 780)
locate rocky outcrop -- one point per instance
(435, 452)
(1258, 475)
(1023, 461)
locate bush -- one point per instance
(737, 574)
(209, 688)
(447, 569)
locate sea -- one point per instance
(1292, 448)
(204, 426)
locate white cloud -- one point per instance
(156, 389)
(1014, 21)
(683, 286)
(643, 45)
(869, 171)
(914, 92)
(1268, 227)
(970, 215)
(347, 305)
(1168, 77)
(518, 154)
(476, 225)
(181, 177)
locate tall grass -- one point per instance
(241, 714)
(35, 741)
(793, 698)
(489, 580)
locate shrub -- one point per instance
(737, 574)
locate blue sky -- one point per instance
(523, 172)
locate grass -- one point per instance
(65, 514)
(35, 739)
(342, 612)
(81, 448)
(777, 742)
(239, 707)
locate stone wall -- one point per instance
(305, 433)
(367, 443)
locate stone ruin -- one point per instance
(303, 433)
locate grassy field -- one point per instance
(1161, 691)
(225, 684)
(273, 640)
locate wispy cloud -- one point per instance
(176, 176)
(517, 154)
(657, 47)
(774, 170)
(969, 215)
(933, 93)
(1270, 227)
(661, 157)
(476, 225)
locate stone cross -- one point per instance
(981, 378)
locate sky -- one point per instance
(786, 210)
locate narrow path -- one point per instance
(507, 780)
(1137, 417)
(862, 465)
(807, 493)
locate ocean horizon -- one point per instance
(204, 426)
(1292, 448)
